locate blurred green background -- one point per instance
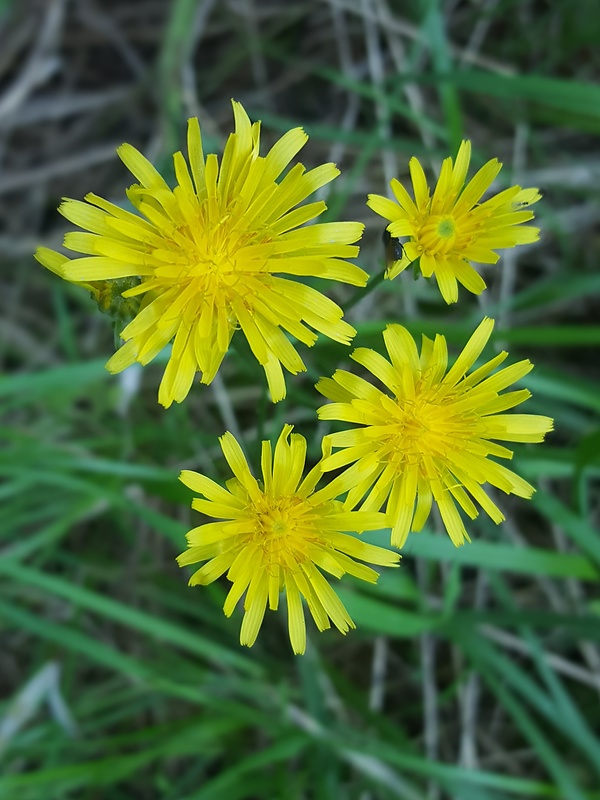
(475, 672)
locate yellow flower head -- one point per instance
(430, 438)
(277, 536)
(206, 255)
(452, 228)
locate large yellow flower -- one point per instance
(205, 257)
(447, 231)
(277, 536)
(431, 437)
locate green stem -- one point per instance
(175, 50)
(362, 293)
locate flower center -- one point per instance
(213, 253)
(284, 529)
(277, 523)
(415, 430)
(427, 427)
(446, 228)
(438, 234)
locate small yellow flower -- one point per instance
(431, 439)
(206, 255)
(452, 228)
(277, 536)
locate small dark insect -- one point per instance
(394, 251)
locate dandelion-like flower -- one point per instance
(448, 230)
(207, 255)
(432, 437)
(277, 536)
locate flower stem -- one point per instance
(362, 293)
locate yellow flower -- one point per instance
(278, 536)
(207, 254)
(429, 440)
(452, 228)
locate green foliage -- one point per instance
(474, 672)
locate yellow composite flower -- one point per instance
(279, 535)
(448, 230)
(430, 437)
(207, 255)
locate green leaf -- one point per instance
(493, 556)
(371, 614)
(578, 102)
(148, 624)
(577, 528)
